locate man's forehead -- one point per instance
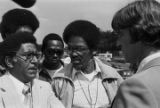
(24, 29)
(54, 43)
(28, 47)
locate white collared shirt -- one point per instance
(18, 85)
(89, 87)
(148, 59)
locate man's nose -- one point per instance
(34, 60)
(55, 55)
(74, 53)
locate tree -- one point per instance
(108, 42)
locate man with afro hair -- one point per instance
(16, 20)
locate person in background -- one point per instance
(25, 3)
(138, 25)
(18, 87)
(86, 82)
(52, 49)
(17, 20)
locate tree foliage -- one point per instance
(108, 42)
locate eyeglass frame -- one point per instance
(29, 59)
(54, 51)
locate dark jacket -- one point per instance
(44, 75)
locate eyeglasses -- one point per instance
(29, 57)
(51, 52)
(77, 49)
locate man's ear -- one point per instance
(10, 61)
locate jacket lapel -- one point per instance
(154, 62)
(9, 94)
(35, 94)
(110, 79)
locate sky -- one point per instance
(55, 15)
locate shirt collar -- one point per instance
(96, 71)
(97, 68)
(51, 73)
(148, 59)
(18, 84)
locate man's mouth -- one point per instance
(75, 61)
(33, 68)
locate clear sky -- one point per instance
(54, 15)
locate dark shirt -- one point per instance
(44, 75)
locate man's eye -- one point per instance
(81, 49)
(29, 55)
(49, 51)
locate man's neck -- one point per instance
(90, 67)
(147, 51)
(19, 78)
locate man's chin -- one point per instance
(33, 73)
(30, 78)
(53, 61)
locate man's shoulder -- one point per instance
(41, 83)
(149, 76)
(145, 78)
(4, 78)
(2, 81)
(65, 71)
(108, 71)
(133, 89)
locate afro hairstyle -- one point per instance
(16, 18)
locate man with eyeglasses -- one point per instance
(52, 49)
(86, 82)
(19, 87)
(17, 20)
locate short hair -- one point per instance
(15, 18)
(85, 29)
(12, 44)
(142, 18)
(48, 37)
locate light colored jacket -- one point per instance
(42, 94)
(142, 90)
(63, 85)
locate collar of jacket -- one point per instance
(152, 63)
(43, 68)
(107, 72)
